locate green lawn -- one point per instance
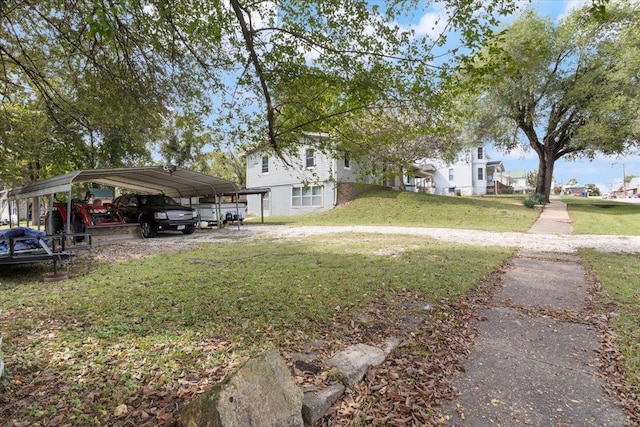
(618, 274)
(503, 213)
(602, 216)
(150, 333)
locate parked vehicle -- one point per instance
(229, 211)
(156, 212)
(83, 215)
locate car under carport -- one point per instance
(169, 180)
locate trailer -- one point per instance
(23, 245)
(219, 214)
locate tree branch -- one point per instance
(253, 56)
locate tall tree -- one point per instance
(565, 90)
(232, 61)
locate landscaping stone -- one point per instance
(260, 394)
(315, 403)
(391, 344)
(354, 361)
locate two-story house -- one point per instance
(316, 181)
(470, 175)
(312, 182)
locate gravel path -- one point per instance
(170, 242)
(536, 242)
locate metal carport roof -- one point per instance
(169, 180)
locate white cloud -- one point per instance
(433, 23)
(569, 7)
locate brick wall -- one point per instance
(348, 191)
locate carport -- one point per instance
(169, 180)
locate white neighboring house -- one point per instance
(520, 182)
(310, 184)
(468, 176)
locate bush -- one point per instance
(533, 199)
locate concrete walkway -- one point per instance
(533, 362)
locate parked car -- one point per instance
(156, 212)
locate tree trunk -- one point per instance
(540, 182)
(546, 163)
(548, 178)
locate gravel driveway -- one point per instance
(170, 242)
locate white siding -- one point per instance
(465, 175)
(282, 179)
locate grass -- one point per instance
(139, 331)
(502, 213)
(618, 274)
(603, 217)
(150, 333)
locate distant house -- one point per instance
(577, 190)
(520, 182)
(470, 175)
(633, 187)
(314, 180)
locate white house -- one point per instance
(316, 181)
(520, 182)
(310, 184)
(470, 175)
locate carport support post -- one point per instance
(49, 218)
(237, 212)
(218, 209)
(68, 225)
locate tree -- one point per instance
(232, 63)
(389, 142)
(564, 91)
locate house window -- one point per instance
(480, 174)
(480, 153)
(347, 161)
(265, 164)
(306, 196)
(310, 158)
(450, 174)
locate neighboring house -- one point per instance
(633, 187)
(520, 182)
(576, 190)
(470, 175)
(313, 182)
(497, 178)
(317, 181)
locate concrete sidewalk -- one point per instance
(534, 360)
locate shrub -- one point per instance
(533, 199)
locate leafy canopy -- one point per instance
(111, 75)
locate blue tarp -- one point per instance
(20, 245)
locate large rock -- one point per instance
(260, 394)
